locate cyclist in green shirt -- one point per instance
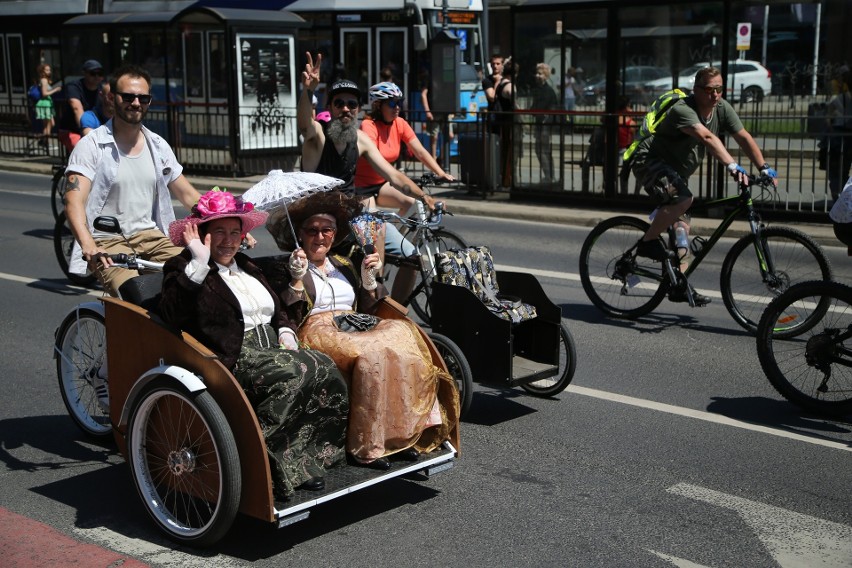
(664, 161)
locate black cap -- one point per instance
(343, 86)
(92, 65)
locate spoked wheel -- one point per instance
(184, 463)
(554, 385)
(459, 369)
(618, 282)
(80, 360)
(813, 368)
(63, 244)
(441, 240)
(794, 257)
(57, 193)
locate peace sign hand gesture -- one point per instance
(311, 74)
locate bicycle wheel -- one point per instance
(57, 193)
(439, 240)
(458, 367)
(554, 385)
(794, 256)
(618, 282)
(80, 353)
(813, 369)
(63, 244)
(184, 463)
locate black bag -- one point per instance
(353, 321)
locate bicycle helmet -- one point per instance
(384, 91)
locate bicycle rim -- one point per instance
(813, 369)
(619, 284)
(794, 257)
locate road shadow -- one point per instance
(783, 415)
(46, 234)
(61, 445)
(495, 406)
(650, 323)
(60, 286)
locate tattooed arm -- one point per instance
(77, 188)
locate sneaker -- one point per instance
(680, 295)
(652, 249)
(101, 386)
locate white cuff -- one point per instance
(196, 271)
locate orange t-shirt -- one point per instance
(388, 138)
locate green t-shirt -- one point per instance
(681, 151)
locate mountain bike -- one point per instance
(804, 343)
(759, 267)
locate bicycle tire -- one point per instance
(420, 301)
(184, 462)
(80, 348)
(458, 367)
(57, 193)
(63, 245)
(605, 269)
(792, 364)
(567, 365)
(796, 257)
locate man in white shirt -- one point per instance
(124, 170)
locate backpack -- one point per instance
(655, 115)
(34, 93)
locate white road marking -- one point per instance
(50, 285)
(679, 562)
(152, 553)
(793, 539)
(705, 416)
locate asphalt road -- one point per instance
(669, 449)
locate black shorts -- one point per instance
(368, 191)
(661, 182)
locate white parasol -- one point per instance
(280, 189)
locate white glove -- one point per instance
(287, 340)
(297, 268)
(200, 253)
(368, 277)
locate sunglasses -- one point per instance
(395, 103)
(97, 73)
(350, 103)
(326, 231)
(128, 97)
(711, 90)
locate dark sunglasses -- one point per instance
(350, 103)
(128, 97)
(395, 103)
(711, 90)
(96, 73)
(326, 231)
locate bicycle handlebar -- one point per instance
(124, 260)
(429, 219)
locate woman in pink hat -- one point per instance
(220, 297)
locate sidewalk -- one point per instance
(461, 203)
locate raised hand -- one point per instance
(311, 74)
(200, 251)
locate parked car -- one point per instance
(752, 80)
(633, 79)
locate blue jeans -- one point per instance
(396, 244)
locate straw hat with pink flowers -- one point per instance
(218, 204)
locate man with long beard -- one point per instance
(334, 149)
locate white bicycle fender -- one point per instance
(188, 380)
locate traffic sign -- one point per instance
(743, 36)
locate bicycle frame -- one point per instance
(745, 205)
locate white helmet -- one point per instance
(384, 91)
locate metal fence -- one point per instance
(789, 131)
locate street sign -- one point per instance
(743, 36)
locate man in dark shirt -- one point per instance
(80, 96)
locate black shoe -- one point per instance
(381, 464)
(409, 454)
(313, 484)
(652, 249)
(681, 296)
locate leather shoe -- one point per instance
(408, 454)
(381, 464)
(313, 484)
